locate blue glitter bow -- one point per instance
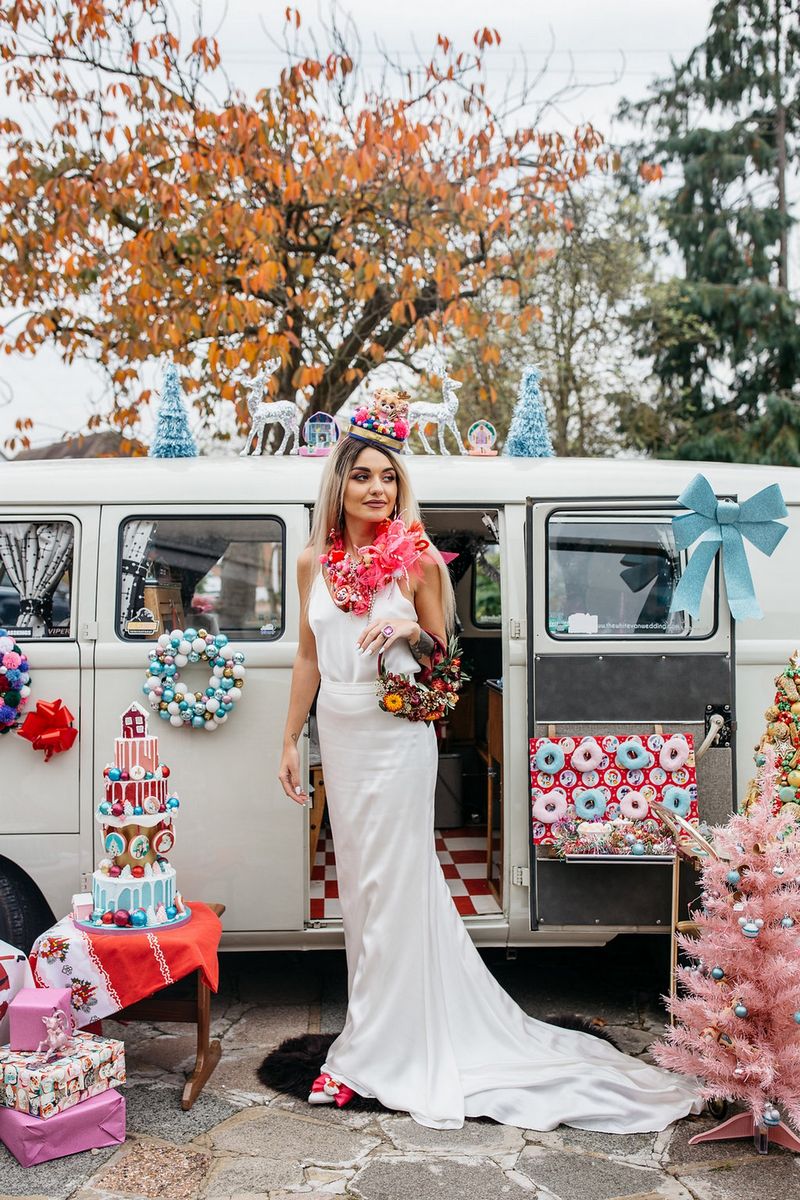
(722, 524)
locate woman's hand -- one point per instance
(289, 774)
(379, 635)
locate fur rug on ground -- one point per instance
(294, 1065)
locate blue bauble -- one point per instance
(173, 801)
(194, 657)
(733, 877)
(637, 848)
(104, 807)
(162, 712)
(138, 811)
(139, 918)
(148, 775)
(97, 914)
(170, 669)
(787, 922)
(219, 662)
(168, 695)
(172, 912)
(228, 707)
(740, 1010)
(184, 704)
(797, 1018)
(226, 684)
(156, 668)
(210, 692)
(190, 634)
(220, 640)
(219, 695)
(175, 641)
(198, 722)
(114, 774)
(145, 689)
(717, 973)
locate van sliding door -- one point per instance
(608, 658)
(231, 570)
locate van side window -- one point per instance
(36, 578)
(612, 575)
(221, 574)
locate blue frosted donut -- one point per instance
(632, 756)
(591, 805)
(549, 758)
(678, 800)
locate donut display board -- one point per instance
(610, 776)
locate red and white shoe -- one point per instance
(327, 1090)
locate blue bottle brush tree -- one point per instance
(173, 438)
(528, 434)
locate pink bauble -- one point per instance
(122, 917)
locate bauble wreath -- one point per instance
(166, 692)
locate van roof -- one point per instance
(437, 479)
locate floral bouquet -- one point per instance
(430, 695)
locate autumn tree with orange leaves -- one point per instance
(334, 225)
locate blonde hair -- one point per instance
(329, 508)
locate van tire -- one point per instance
(24, 912)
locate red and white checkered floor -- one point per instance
(462, 853)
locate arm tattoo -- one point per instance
(423, 648)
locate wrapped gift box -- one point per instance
(87, 1126)
(31, 1085)
(25, 1013)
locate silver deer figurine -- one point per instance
(443, 415)
(262, 412)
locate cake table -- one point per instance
(125, 976)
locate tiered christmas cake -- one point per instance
(134, 884)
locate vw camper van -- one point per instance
(564, 571)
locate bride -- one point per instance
(428, 1029)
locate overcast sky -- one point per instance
(613, 48)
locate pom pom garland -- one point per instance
(15, 681)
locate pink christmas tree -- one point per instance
(737, 1015)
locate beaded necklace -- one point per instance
(394, 551)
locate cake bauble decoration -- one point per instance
(133, 887)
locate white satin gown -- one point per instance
(428, 1030)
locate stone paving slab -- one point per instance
(573, 1176)
(56, 1180)
(770, 1178)
(156, 1109)
(150, 1170)
(417, 1179)
(476, 1137)
(248, 1176)
(268, 1026)
(277, 1134)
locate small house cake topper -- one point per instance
(134, 721)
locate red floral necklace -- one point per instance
(394, 552)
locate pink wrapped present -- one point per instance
(31, 1085)
(25, 1013)
(87, 1126)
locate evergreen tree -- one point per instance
(725, 339)
(528, 435)
(173, 438)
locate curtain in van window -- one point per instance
(35, 557)
(136, 537)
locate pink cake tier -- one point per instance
(136, 752)
(136, 791)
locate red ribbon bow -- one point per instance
(49, 728)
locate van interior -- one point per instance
(469, 791)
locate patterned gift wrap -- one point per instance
(31, 1085)
(561, 788)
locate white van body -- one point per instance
(240, 841)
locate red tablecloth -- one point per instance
(108, 971)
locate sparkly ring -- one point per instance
(387, 631)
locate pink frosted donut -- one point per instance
(674, 754)
(549, 807)
(633, 806)
(587, 756)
